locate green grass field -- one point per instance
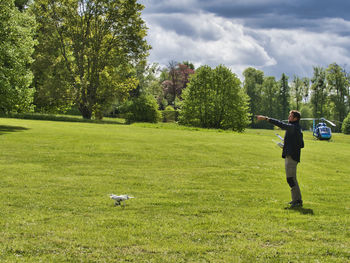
(200, 195)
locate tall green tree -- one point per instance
(346, 125)
(305, 89)
(269, 97)
(148, 81)
(253, 80)
(338, 84)
(297, 91)
(319, 93)
(215, 99)
(16, 47)
(197, 107)
(54, 89)
(99, 42)
(283, 97)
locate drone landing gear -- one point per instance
(119, 204)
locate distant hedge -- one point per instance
(169, 114)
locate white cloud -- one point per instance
(206, 39)
(213, 41)
(298, 51)
(277, 38)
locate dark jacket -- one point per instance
(293, 139)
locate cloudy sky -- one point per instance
(275, 36)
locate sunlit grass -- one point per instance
(200, 195)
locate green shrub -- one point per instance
(214, 99)
(169, 108)
(346, 125)
(143, 109)
(169, 114)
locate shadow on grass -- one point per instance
(63, 118)
(7, 129)
(301, 210)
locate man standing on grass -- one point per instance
(293, 142)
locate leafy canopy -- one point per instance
(16, 48)
(215, 99)
(99, 43)
(346, 125)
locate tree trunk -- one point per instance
(85, 111)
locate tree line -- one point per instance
(60, 56)
(325, 94)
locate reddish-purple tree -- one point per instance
(178, 77)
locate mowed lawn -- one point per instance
(200, 195)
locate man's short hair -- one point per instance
(296, 114)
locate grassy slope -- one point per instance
(200, 195)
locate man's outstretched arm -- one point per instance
(282, 125)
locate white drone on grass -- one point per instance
(120, 198)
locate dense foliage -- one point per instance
(214, 99)
(346, 125)
(169, 114)
(326, 95)
(91, 48)
(16, 48)
(283, 97)
(338, 85)
(319, 92)
(143, 109)
(253, 81)
(266, 95)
